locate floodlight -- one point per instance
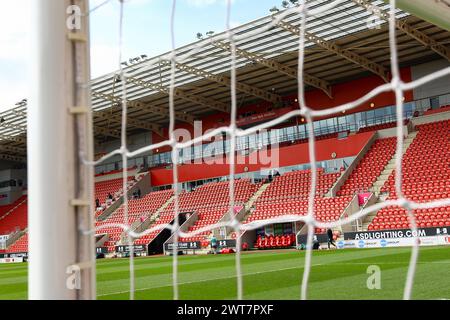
(274, 10)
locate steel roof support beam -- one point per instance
(106, 132)
(335, 48)
(135, 106)
(12, 126)
(132, 122)
(421, 37)
(275, 65)
(12, 158)
(8, 148)
(226, 81)
(210, 103)
(17, 139)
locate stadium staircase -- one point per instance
(384, 176)
(138, 211)
(426, 173)
(15, 219)
(6, 209)
(208, 203)
(18, 243)
(139, 226)
(115, 188)
(248, 208)
(370, 174)
(249, 204)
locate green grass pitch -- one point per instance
(335, 274)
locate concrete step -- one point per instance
(255, 197)
(378, 183)
(390, 166)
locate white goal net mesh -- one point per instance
(304, 10)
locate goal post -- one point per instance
(60, 216)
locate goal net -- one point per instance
(304, 12)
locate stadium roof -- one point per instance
(341, 44)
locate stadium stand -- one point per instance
(21, 245)
(213, 194)
(113, 187)
(164, 218)
(16, 219)
(370, 167)
(426, 157)
(210, 201)
(6, 208)
(275, 242)
(137, 209)
(325, 209)
(445, 108)
(206, 216)
(296, 185)
(287, 195)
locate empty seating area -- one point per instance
(394, 217)
(211, 202)
(217, 193)
(15, 220)
(275, 242)
(137, 209)
(296, 185)
(113, 187)
(444, 108)
(288, 195)
(370, 167)
(6, 208)
(206, 217)
(426, 176)
(164, 219)
(325, 209)
(21, 245)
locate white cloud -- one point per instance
(14, 53)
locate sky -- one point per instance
(146, 31)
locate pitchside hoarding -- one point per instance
(192, 245)
(103, 250)
(394, 242)
(23, 255)
(11, 260)
(227, 243)
(195, 245)
(126, 249)
(321, 237)
(390, 234)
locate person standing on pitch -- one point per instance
(330, 238)
(213, 243)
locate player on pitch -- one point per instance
(330, 238)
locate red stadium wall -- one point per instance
(316, 99)
(288, 156)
